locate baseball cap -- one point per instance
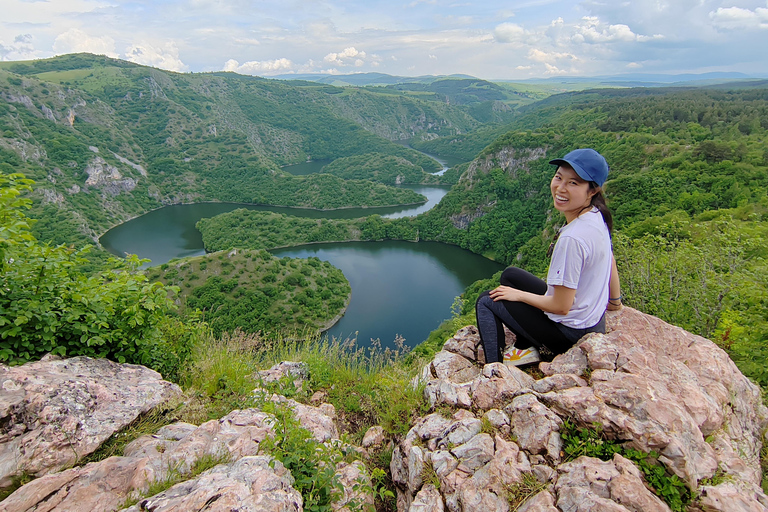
(588, 164)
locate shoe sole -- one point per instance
(527, 359)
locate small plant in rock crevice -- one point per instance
(520, 492)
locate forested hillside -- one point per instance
(106, 140)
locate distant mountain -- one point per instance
(642, 79)
(365, 79)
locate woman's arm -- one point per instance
(614, 288)
(559, 303)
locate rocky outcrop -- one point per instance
(510, 159)
(55, 412)
(646, 384)
(492, 442)
(107, 177)
(242, 476)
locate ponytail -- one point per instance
(598, 201)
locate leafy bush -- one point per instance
(47, 304)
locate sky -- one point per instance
(490, 39)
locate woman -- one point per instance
(581, 282)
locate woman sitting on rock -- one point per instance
(581, 282)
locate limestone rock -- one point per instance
(104, 485)
(249, 484)
(453, 367)
(498, 385)
(295, 372)
(59, 411)
(645, 383)
(373, 437)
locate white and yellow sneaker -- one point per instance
(521, 356)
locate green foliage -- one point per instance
(252, 291)
(592, 442)
(311, 463)
(47, 304)
(381, 168)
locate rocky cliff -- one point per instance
(497, 437)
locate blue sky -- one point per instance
(489, 39)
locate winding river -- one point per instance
(398, 288)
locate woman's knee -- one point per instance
(484, 299)
(523, 280)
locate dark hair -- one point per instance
(598, 201)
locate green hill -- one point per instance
(106, 140)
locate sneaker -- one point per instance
(521, 356)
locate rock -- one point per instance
(175, 448)
(465, 342)
(475, 453)
(373, 437)
(59, 411)
(730, 497)
(453, 367)
(248, 484)
(535, 427)
(289, 370)
(428, 499)
(443, 392)
(357, 488)
(612, 485)
(317, 420)
(541, 502)
(498, 385)
(645, 383)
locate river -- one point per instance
(398, 288)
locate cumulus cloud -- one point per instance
(349, 57)
(256, 67)
(554, 62)
(510, 33)
(592, 30)
(737, 18)
(76, 41)
(165, 56)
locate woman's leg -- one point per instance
(531, 325)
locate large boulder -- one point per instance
(54, 412)
(646, 384)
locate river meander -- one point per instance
(398, 288)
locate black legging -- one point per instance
(530, 324)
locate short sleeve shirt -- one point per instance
(581, 261)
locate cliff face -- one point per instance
(495, 434)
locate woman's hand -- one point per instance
(559, 302)
(506, 293)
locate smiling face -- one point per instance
(570, 193)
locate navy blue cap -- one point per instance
(588, 164)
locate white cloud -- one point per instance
(737, 18)
(510, 33)
(555, 63)
(256, 67)
(165, 56)
(592, 30)
(348, 57)
(634, 65)
(76, 41)
(22, 48)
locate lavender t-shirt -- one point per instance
(581, 260)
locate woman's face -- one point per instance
(570, 193)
